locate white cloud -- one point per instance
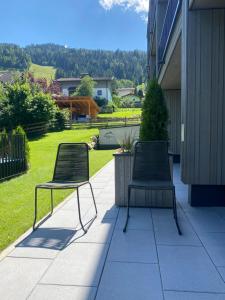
(140, 6)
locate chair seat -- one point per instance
(151, 184)
(60, 185)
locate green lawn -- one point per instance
(123, 113)
(43, 71)
(17, 195)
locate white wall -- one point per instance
(106, 93)
(114, 136)
(102, 85)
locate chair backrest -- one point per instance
(72, 163)
(151, 161)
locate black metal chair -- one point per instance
(71, 172)
(151, 171)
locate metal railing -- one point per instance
(12, 155)
(172, 11)
(151, 24)
(152, 15)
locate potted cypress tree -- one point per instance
(154, 114)
(153, 128)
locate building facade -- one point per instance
(186, 53)
(102, 89)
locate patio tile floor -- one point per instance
(150, 262)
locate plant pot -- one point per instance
(139, 198)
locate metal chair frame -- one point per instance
(76, 187)
(149, 187)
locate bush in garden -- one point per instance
(100, 101)
(8, 138)
(116, 100)
(19, 130)
(127, 103)
(154, 114)
(60, 119)
(23, 103)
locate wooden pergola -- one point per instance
(78, 105)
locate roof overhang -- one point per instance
(77, 101)
(206, 4)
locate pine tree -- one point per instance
(154, 114)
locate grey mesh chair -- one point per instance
(71, 172)
(151, 171)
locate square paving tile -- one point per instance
(105, 211)
(130, 281)
(133, 246)
(86, 192)
(78, 264)
(100, 231)
(187, 268)
(166, 230)
(140, 218)
(43, 243)
(192, 296)
(106, 198)
(85, 204)
(62, 219)
(57, 292)
(222, 272)
(206, 220)
(215, 246)
(19, 276)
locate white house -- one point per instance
(102, 89)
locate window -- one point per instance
(71, 90)
(99, 92)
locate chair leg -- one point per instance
(93, 199)
(35, 208)
(52, 206)
(175, 212)
(128, 210)
(79, 213)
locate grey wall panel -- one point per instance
(173, 101)
(203, 96)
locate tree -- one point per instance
(86, 87)
(154, 114)
(23, 103)
(140, 94)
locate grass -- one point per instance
(43, 71)
(123, 113)
(17, 195)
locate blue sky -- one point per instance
(92, 24)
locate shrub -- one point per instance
(19, 130)
(12, 149)
(100, 101)
(60, 119)
(154, 114)
(23, 103)
(116, 100)
(127, 103)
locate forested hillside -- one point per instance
(13, 57)
(72, 62)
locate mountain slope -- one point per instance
(71, 62)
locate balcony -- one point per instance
(172, 12)
(206, 4)
(151, 24)
(152, 12)
(150, 261)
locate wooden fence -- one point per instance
(12, 155)
(106, 122)
(36, 128)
